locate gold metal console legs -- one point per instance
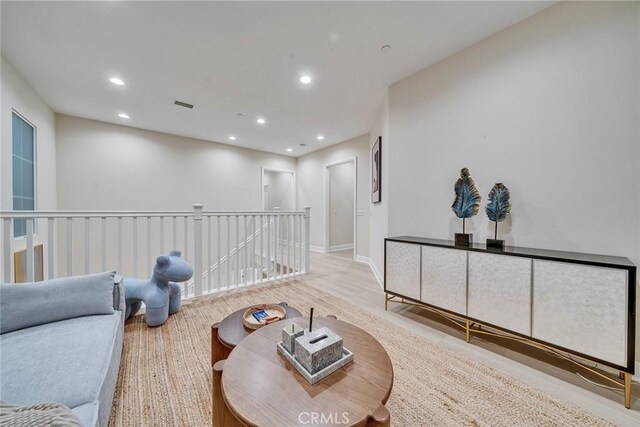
(469, 327)
(627, 390)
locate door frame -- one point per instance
(264, 169)
(327, 200)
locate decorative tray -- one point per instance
(347, 357)
(260, 315)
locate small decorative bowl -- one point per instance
(274, 313)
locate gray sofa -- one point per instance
(61, 341)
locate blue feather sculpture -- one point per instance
(467, 200)
(498, 205)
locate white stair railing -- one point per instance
(228, 249)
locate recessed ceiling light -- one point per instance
(231, 137)
(261, 121)
(303, 145)
(123, 115)
(116, 81)
(386, 48)
(320, 137)
(289, 149)
(305, 79)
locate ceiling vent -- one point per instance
(183, 104)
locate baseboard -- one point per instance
(337, 248)
(318, 249)
(362, 259)
(377, 275)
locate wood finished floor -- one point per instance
(338, 274)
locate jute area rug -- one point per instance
(165, 375)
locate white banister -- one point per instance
(252, 247)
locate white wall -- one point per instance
(19, 96)
(341, 205)
(378, 212)
(106, 166)
(311, 187)
(549, 107)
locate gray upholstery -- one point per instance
(73, 361)
(29, 304)
(88, 413)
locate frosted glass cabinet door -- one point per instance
(403, 269)
(444, 278)
(500, 291)
(581, 308)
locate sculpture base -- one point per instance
(495, 244)
(464, 239)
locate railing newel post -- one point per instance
(307, 239)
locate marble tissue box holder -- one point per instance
(314, 354)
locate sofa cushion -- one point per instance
(30, 304)
(68, 361)
(87, 414)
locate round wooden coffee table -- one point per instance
(258, 386)
(227, 334)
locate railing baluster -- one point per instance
(210, 258)
(261, 248)
(218, 252)
(134, 246)
(50, 249)
(236, 277)
(228, 260)
(175, 233)
(289, 244)
(103, 240)
(30, 260)
(7, 237)
(69, 246)
(269, 228)
(87, 245)
(307, 238)
(245, 255)
(120, 247)
(300, 220)
(161, 235)
(197, 249)
(185, 251)
(295, 240)
(149, 257)
(253, 248)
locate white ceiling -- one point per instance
(239, 57)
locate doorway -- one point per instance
(278, 190)
(340, 206)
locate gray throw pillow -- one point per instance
(31, 304)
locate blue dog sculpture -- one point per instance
(161, 297)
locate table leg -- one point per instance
(380, 417)
(219, 351)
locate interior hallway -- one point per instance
(338, 274)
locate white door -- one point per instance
(341, 205)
